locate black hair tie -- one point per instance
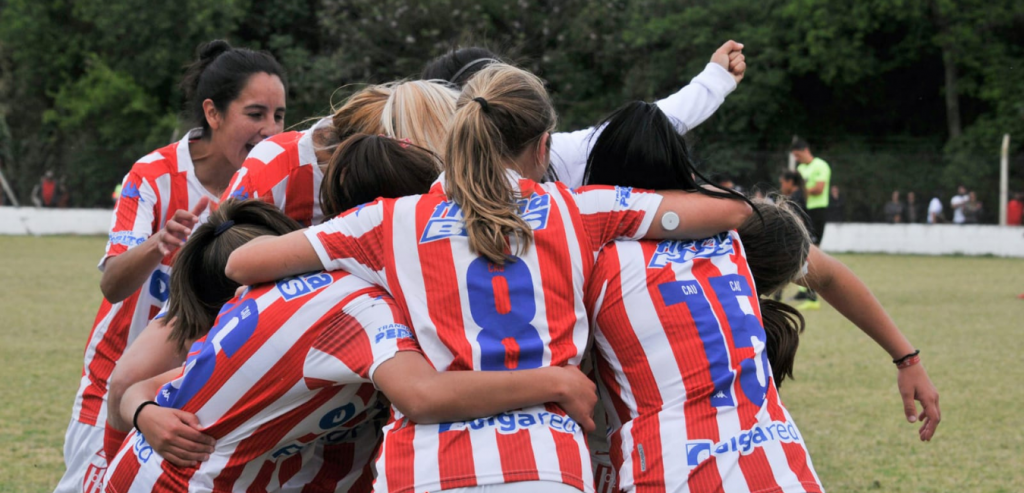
(224, 226)
(483, 104)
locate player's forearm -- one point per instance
(152, 354)
(426, 396)
(126, 273)
(697, 101)
(842, 289)
(697, 215)
(269, 258)
(141, 392)
(462, 395)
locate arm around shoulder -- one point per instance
(269, 258)
(425, 395)
(699, 215)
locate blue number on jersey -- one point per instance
(160, 285)
(483, 280)
(746, 331)
(236, 325)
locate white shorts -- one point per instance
(518, 487)
(83, 458)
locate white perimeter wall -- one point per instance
(940, 239)
(924, 239)
(37, 221)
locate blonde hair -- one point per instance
(416, 110)
(420, 111)
(502, 110)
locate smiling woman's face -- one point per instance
(257, 113)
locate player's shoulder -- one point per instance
(276, 149)
(161, 161)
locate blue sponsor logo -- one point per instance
(447, 221)
(698, 451)
(622, 195)
(678, 252)
(240, 194)
(126, 238)
(534, 210)
(393, 331)
(142, 449)
(333, 419)
(337, 416)
(298, 286)
(131, 191)
(160, 285)
(507, 423)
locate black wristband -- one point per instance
(135, 419)
(911, 355)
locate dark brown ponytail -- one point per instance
(777, 244)
(198, 285)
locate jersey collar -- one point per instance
(512, 175)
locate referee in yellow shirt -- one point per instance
(817, 177)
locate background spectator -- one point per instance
(44, 194)
(63, 193)
(935, 209)
(972, 209)
(958, 202)
(911, 208)
(817, 175)
(726, 181)
(791, 184)
(894, 209)
(1015, 210)
(836, 206)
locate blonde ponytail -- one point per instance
(502, 111)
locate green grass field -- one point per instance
(962, 312)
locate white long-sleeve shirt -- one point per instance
(690, 107)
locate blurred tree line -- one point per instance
(895, 94)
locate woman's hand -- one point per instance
(914, 384)
(730, 57)
(176, 230)
(578, 395)
(175, 435)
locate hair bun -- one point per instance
(213, 49)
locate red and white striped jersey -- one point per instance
(283, 170)
(286, 364)
(156, 187)
(684, 374)
(471, 314)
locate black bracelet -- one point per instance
(135, 419)
(911, 355)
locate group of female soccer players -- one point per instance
(342, 308)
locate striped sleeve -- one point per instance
(241, 185)
(615, 213)
(370, 330)
(133, 220)
(353, 242)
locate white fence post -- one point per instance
(1004, 179)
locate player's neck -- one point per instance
(212, 168)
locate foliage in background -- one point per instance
(907, 94)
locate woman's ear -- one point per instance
(213, 117)
(544, 152)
